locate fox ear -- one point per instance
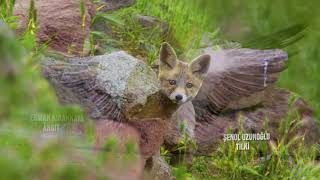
(200, 65)
(167, 56)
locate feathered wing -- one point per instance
(236, 74)
(76, 83)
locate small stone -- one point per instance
(151, 22)
(111, 5)
(158, 168)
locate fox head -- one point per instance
(181, 82)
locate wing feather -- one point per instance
(238, 73)
(76, 83)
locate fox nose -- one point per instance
(179, 97)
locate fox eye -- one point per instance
(172, 82)
(189, 85)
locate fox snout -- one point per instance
(178, 96)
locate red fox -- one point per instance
(179, 81)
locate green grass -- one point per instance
(227, 163)
(186, 27)
(286, 158)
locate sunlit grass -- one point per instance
(186, 27)
(283, 159)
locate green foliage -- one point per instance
(186, 28)
(6, 8)
(83, 13)
(187, 22)
(280, 39)
(264, 160)
(129, 35)
(32, 18)
(182, 173)
(23, 157)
